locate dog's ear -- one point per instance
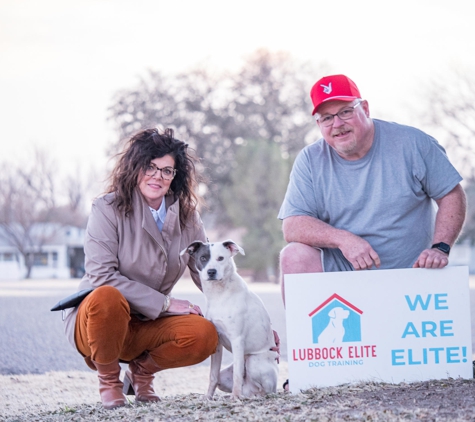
(192, 248)
(233, 247)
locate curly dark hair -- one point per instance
(141, 149)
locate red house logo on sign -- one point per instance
(336, 321)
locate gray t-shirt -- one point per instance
(385, 197)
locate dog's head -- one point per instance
(338, 313)
(214, 261)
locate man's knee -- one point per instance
(298, 258)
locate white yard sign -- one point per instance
(384, 326)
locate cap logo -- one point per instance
(327, 89)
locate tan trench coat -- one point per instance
(131, 254)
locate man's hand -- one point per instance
(359, 252)
(431, 258)
(276, 348)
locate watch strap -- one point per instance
(441, 246)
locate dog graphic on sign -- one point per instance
(336, 321)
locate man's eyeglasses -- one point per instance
(345, 114)
(168, 173)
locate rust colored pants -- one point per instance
(105, 331)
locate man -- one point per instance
(363, 196)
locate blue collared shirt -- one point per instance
(159, 216)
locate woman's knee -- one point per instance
(211, 335)
(102, 324)
(104, 292)
(108, 302)
(204, 339)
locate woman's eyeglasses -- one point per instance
(168, 173)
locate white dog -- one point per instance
(334, 331)
(242, 322)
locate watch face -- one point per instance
(442, 247)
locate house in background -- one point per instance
(61, 254)
(56, 251)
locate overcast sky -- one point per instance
(62, 61)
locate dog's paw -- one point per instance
(208, 397)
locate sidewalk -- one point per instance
(185, 285)
(46, 287)
(37, 287)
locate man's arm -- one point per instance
(316, 233)
(448, 224)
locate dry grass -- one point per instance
(74, 397)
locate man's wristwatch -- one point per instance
(441, 246)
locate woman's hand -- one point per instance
(179, 306)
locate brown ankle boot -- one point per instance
(139, 378)
(110, 385)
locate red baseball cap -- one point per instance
(334, 87)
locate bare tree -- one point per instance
(78, 191)
(451, 117)
(267, 99)
(23, 205)
(451, 102)
(29, 214)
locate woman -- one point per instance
(134, 237)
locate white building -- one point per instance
(61, 254)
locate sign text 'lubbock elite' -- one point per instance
(385, 326)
